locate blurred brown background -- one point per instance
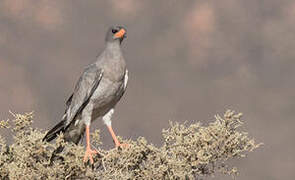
(188, 60)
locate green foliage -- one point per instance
(188, 152)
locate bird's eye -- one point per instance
(114, 31)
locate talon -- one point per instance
(88, 155)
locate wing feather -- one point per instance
(84, 89)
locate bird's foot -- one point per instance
(88, 155)
(122, 145)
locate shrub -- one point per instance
(189, 152)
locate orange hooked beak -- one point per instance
(120, 34)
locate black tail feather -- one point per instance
(52, 134)
(55, 155)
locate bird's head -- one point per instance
(116, 33)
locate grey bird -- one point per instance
(99, 88)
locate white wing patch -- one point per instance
(125, 79)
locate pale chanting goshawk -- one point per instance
(99, 88)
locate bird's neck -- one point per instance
(113, 50)
(114, 45)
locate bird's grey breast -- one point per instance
(111, 85)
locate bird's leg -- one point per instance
(116, 141)
(89, 152)
(107, 120)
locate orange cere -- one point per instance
(120, 33)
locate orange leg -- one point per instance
(116, 141)
(89, 152)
